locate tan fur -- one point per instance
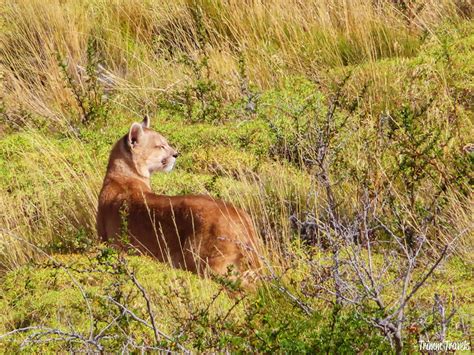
(192, 232)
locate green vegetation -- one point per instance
(87, 292)
(340, 126)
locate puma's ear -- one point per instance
(135, 134)
(146, 121)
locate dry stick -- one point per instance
(232, 307)
(156, 331)
(421, 282)
(205, 311)
(306, 308)
(144, 322)
(43, 331)
(323, 143)
(444, 320)
(148, 305)
(107, 327)
(131, 313)
(19, 330)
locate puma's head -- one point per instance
(149, 150)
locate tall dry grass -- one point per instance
(142, 42)
(49, 201)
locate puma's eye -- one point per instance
(160, 147)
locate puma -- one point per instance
(193, 232)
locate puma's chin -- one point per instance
(168, 167)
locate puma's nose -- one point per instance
(175, 155)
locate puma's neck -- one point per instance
(121, 167)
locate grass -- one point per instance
(51, 293)
(243, 92)
(92, 277)
(143, 43)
